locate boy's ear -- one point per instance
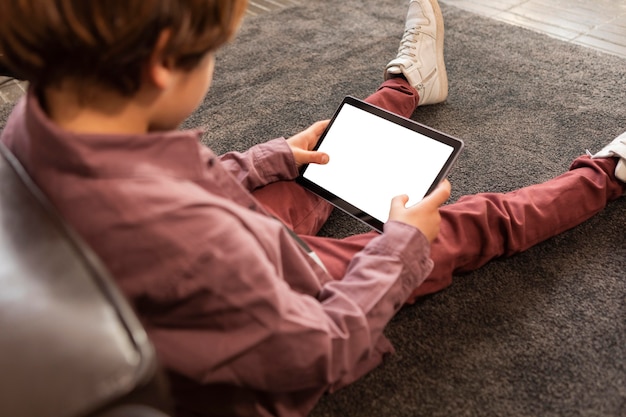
(160, 65)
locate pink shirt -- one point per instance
(243, 320)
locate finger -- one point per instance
(399, 201)
(318, 127)
(311, 135)
(315, 158)
(439, 195)
(320, 158)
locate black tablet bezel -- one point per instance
(456, 144)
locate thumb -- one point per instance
(314, 157)
(439, 195)
(399, 201)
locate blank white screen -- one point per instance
(373, 160)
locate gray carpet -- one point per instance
(539, 334)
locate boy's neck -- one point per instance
(95, 111)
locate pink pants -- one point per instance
(476, 228)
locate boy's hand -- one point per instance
(423, 215)
(302, 143)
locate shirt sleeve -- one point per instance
(261, 164)
(246, 326)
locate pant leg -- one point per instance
(299, 209)
(481, 227)
(397, 96)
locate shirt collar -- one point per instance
(176, 153)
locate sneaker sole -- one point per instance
(441, 65)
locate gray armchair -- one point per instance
(70, 345)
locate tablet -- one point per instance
(376, 155)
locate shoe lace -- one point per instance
(407, 43)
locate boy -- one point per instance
(245, 322)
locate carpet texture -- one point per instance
(539, 334)
(542, 333)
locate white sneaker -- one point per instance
(420, 55)
(617, 148)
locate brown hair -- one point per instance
(109, 41)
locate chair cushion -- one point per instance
(69, 342)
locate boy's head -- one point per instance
(108, 43)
